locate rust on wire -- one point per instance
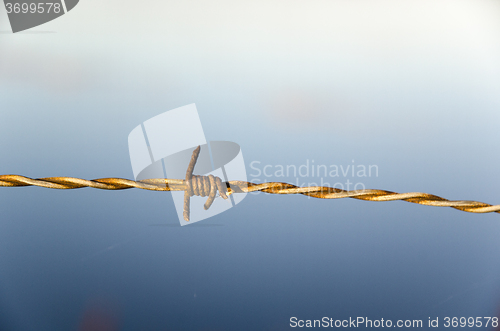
(209, 186)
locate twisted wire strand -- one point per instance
(232, 187)
(323, 192)
(67, 183)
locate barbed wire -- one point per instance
(321, 192)
(208, 186)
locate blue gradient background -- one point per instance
(413, 87)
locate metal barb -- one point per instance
(201, 186)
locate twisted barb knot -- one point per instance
(201, 186)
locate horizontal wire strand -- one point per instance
(320, 192)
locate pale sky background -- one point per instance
(412, 86)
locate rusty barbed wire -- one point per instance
(209, 186)
(232, 187)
